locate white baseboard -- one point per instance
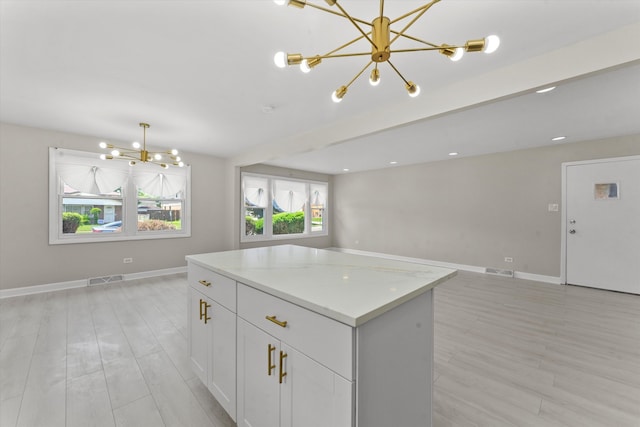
(537, 277)
(463, 267)
(50, 287)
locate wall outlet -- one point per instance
(127, 260)
(508, 259)
(553, 207)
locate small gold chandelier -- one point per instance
(139, 153)
(379, 36)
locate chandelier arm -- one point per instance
(421, 49)
(398, 72)
(359, 74)
(416, 39)
(340, 55)
(426, 6)
(324, 9)
(327, 55)
(355, 24)
(418, 16)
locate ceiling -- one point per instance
(201, 73)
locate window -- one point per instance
(275, 207)
(104, 200)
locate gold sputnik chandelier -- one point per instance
(379, 37)
(139, 153)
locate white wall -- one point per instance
(27, 259)
(473, 211)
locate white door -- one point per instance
(222, 367)
(258, 386)
(198, 335)
(602, 200)
(312, 395)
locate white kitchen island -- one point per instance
(289, 336)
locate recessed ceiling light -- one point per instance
(545, 90)
(345, 170)
(393, 163)
(558, 138)
(453, 153)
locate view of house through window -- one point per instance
(107, 199)
(277, 207)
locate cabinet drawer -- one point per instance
(325, 340)
(215, 286)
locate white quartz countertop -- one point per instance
(349, 288)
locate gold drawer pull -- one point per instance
(283, 374)
(204, 282)
(276, 321)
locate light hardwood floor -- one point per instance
(508, 353)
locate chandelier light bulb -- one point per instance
(374, 78)
(178, 159)
(174, 152)
(413, 89)
(181, 164)
(115, 153)
(339, 94)
(103, 156)
(103, 145)
(457, 55)
(492, 43)
(304, 66)
(279, 2)
(135, 144)
(280, 59)
(157, 156)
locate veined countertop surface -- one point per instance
(349, 288)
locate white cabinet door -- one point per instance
(280, 387)
(222, 358)
(212, 348)
(312, 395)
(258, 386)
(198, 335)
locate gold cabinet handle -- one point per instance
(201, 312)
(204, 283)
(283, 374)
(270, 366)
(206, 315)
(281, 323)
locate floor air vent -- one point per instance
(499, 272)
(104, 280)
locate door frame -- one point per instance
(563, 226)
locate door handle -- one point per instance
(271, 366)
(572, 231)
(283, 374)
(206, 314)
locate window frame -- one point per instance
(268, 210)
(129, 197)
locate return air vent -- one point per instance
(104, 280)
(499, 272)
